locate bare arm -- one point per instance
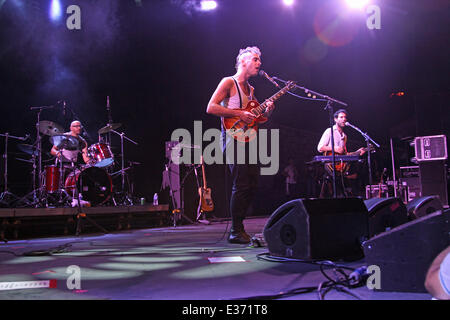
(222, 92)
(432, 281)
(55, 152)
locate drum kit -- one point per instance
(65, 181)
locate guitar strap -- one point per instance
(239, 91)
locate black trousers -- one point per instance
(244, 184)
(244, 179)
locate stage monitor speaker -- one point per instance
(423, 206)
(405, 253)
(385, 214)
(318, 229)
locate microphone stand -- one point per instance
(328, 107)
(122, 135)
(369, 162)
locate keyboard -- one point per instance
(337, 158)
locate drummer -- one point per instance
(69, 156)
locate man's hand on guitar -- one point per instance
(247, 117)
(361, 151)
(270, 106)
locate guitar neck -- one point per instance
(203, 174)
(273, 98)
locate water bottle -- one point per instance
(155, 199)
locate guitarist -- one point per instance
(340, 148)
(231, 95)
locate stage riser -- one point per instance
(43, 222)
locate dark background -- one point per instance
(160, 61)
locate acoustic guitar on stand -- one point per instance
(245, 132)
(206, 203)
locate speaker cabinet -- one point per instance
(180, 184)
(423, 206)
(385, 214)
(405, 253)
(433, 180)
(318, 229)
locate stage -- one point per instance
(169, 263)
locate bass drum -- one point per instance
(94, 184)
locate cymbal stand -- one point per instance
(6, 194)
(39, 148)
(122, 136)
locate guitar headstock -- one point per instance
(290, 84)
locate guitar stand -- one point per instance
(200, 213)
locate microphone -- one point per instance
(348, 124)
(265, 75)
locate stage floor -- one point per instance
(170, 263)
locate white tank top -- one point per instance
(233, 101)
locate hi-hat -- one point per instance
(64, 142)
(109, 127)
(50, 128)
(28, 148)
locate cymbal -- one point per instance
(50, 128)
(28, 148)
(109, 127)
(64, 142)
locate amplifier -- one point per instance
(376, 193)
(411, 187)
(409, 172)
(431, 148)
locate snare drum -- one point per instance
(101, 155)
(94, 184)
(52, 178)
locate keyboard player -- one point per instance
(340, 148)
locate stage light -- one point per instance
(397, 94)
(208, 5)
(357, 4)
(55, 10)
(288, 2)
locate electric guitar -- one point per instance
(343, 166)
(245, 132)
(205, 204)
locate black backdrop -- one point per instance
(160, 61)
